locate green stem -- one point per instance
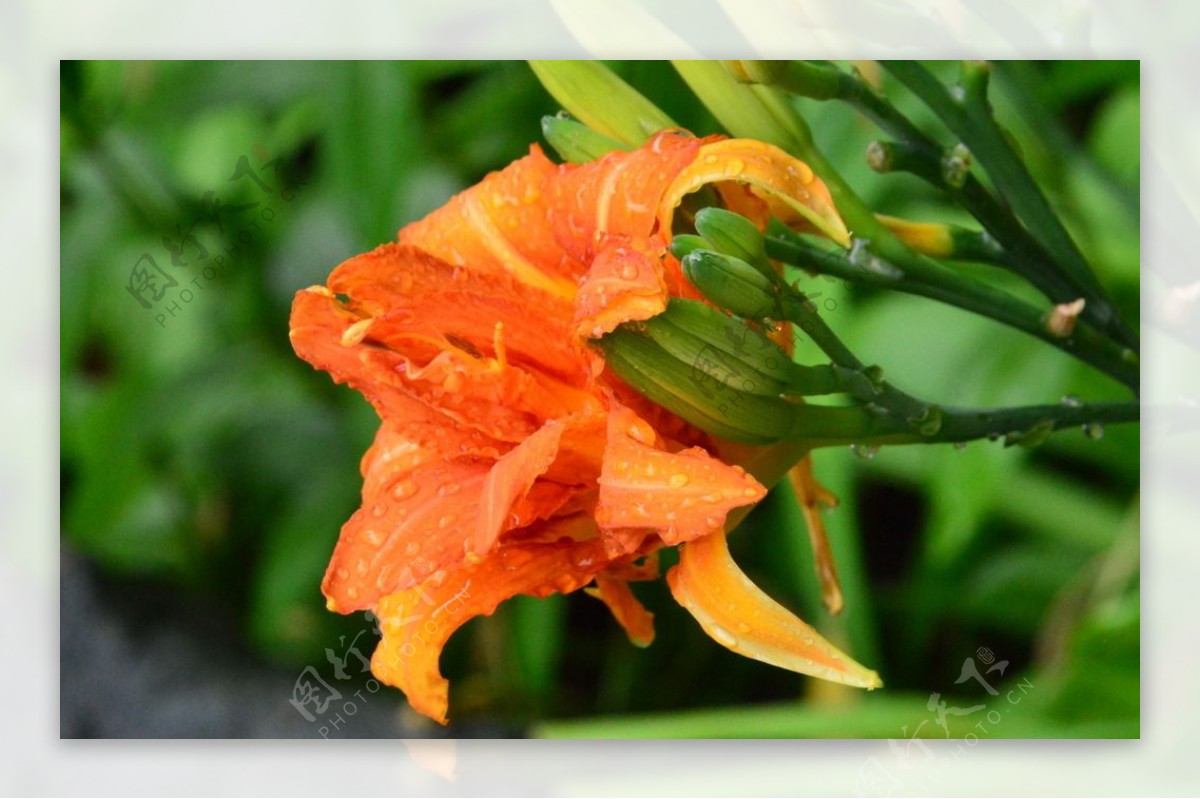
(852, 376)
(926, 278)
(821, 426)
(970, 118)
(1021, 254)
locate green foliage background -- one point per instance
(202, 455)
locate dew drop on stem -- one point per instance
(865, 451)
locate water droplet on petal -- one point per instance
(629, 271)
(722, 636)
(678, 480)
(412, 548)
(404, 489)
(744, 628)
(448, 489)
(446, 520)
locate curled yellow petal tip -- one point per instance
(786, 186)
(740, 617)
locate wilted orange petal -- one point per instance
(786, 184)
(626, 609)
(811, 496)
(625, 283)
(682, 495)
(417, 623)
(740, 617)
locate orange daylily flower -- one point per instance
(509, 460)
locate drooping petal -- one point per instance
(417, 623)
(812, 496)
(739, 616)
(637, 622)
(787, 185)
(681, 494)
(625, 283)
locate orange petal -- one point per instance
(418, 295)
(683, 494)
(626, 609)
(417, 623)
(319, 325)
(619, 194)
(786, 184)
(414, 331)
(502, 226)
(422, 513)
(625, 283)
(511, 478)
(740, 617)
(419, 512)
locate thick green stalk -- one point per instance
(819, 426)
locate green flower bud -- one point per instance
(732, 234)
(724, 347)
(575, 142)
(685, 243)
(731, 283)
(689, 379)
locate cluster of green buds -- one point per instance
(715, 366)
